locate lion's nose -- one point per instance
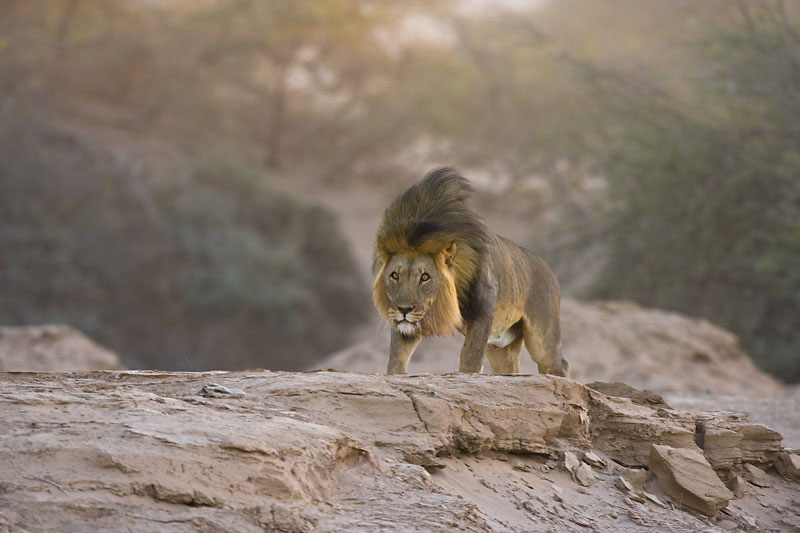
(405, 310)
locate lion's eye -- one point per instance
(394, 275)
(424, 277)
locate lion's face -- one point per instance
(412, 285)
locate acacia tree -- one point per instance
(300, 84)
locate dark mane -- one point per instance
(428, 218)
(438, 208)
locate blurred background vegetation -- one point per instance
(176, 176)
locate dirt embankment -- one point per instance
(52, 348)
(334, 451)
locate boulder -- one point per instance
(686, 476)
(756, 476)
(788, 464)
(584, 475)
(635, 477)
(736, 485)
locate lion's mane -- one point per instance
(427, 219)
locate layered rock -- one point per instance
(328, 451)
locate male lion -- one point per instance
(438, 269)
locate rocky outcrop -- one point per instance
(52, 349)
(334, 451)
(729, 441)
(685, 476)
(610, 342)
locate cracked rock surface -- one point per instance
(335, 451)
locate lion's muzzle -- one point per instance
(406, 319)
(406, 328)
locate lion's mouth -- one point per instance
(406, 327)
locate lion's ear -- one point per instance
(450, 253)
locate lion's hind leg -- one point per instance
(545, 348)
(505, 359)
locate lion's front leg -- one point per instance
(474, 349)
(401, 348)
(479, 327)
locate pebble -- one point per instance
(638, 497)
(215, 390)
(592, 459)
(636, 519)
(584, 475)
(571, 462)
(655, 499)
(749, 520)
(581, 521)
(529, 506)
(622, 484)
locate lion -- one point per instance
(439, 270)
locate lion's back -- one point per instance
(521, 274)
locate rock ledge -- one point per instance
(330, 451)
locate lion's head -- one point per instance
(428, 249)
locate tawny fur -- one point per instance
(487, 285)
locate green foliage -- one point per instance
(706, 197)
(219, 272)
